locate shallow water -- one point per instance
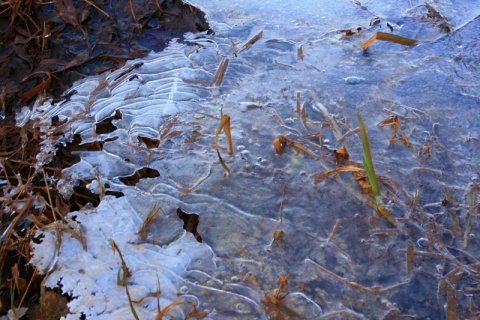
(432, 87)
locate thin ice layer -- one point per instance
(240, 213)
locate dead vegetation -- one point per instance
(446, 226)
(46, 46)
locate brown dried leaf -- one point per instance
(279, 144)
(341, 155)
(390, 38)
(67, 12)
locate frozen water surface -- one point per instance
(169, 104)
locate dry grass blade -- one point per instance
(37, 89)
(123, 268)
(225, 125)
(133, 13)
(122, 275)
(165, 310)
(234, 48)
(224, 166)
(148, 220)
(296, 146)
(383, 212)
(390, 38)
(452, 299)
(220, 73)
(449, 202)
(251, 42)
(274, 306)
(321, 176)
(394, 123)
(303, 114)
(98, 8)
(132, 309)
(354, 285)
(334, 231)
(277, 117)
(410, 256)
(298, 103)
(472, 201)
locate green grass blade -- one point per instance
(367, 160)
(372, 177)
(224, 166)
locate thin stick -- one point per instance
(334, 231)
(133, 13)
(98, 8)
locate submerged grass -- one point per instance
(225, 126)
(372, 177)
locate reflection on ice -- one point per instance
(304, 78)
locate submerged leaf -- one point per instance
(225, 125)
(279, 144)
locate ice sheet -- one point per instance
(431, 86)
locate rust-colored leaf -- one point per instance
(390, 38)
(279, 144)
(225, 125)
